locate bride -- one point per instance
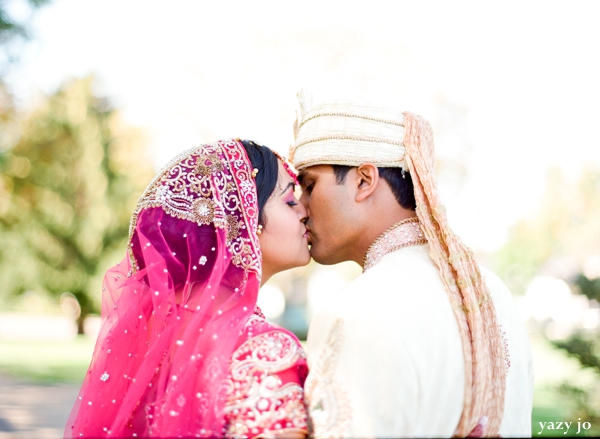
(183, 350)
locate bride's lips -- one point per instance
(306, 233)
(307, 236)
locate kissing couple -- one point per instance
(425, 343)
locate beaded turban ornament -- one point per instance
(345, 133)
(174, 308)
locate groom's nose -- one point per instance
(304, 203)
(302, 212)
(304, 199)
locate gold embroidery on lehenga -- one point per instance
(257, 400)
(328, 404)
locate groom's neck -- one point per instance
(379, 215)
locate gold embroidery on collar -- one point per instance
(402, 234)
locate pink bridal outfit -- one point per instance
(183, 350)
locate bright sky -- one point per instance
(511, 88)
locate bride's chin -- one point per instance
(305, 257)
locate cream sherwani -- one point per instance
(385, 355)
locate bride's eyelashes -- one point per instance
(291, 200)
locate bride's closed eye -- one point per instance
(290, 198)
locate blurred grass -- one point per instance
(47, 361)
(67, 362)
(552, 367)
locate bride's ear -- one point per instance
(367, 178)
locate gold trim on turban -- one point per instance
(348, 134)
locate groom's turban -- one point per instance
(346, 133)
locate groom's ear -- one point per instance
(367, 178)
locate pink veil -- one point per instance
(173, 309)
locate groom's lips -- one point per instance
(308, 236)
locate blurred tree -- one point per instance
(560, 237)
(12, 30)
(70, 183)
(584, 345)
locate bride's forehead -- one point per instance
(283, 176)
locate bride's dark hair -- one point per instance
(263, 159)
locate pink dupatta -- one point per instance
(174, 308)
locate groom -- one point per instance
(425, 342)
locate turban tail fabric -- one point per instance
(342, 133)
(173, 309)
(485, 369)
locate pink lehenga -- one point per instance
(183, 350)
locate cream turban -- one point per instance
(343, 133)
(346, 133)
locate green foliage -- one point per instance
(589, 287)
(71, 180)
(586, 404)
(560, 236)
(11, 30)
(584, 345)
(560, 239)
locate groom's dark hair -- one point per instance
(401, 184)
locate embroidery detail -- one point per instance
(403, 234)
(258, 312)
(349, 137)
(287, 168)
(211, 163)
(204, 210)
(233, 230)
(209, 184)
(358, 116)
(328, 405)
(506, 350)
(257, 400)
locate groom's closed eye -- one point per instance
(305, 184)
